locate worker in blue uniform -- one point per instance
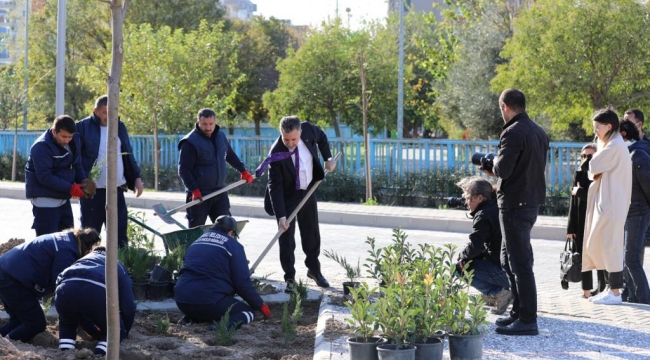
(29, 271)
(214, 271)
(80, 300)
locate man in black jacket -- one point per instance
(638, 216)
(519, 165)
(484, 247)
(294, 168)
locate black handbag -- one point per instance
(570, 263)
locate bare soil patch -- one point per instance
(261, 339)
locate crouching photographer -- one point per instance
(482, 253)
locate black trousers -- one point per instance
(214, 207)
(517, 260)
(307, 219)
(93, 214)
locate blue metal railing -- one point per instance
(395, 157)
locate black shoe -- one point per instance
(518, 328)
(319, 279)
(505, 320)
(291, 285)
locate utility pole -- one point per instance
(60, 57)
(400, 74)
(26, 53)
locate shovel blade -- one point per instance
(162, 214)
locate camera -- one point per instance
(484, 160)
(456, 203)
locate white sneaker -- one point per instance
(600, 295)
(609, 299)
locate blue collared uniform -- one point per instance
(80, 299)
(27, 272)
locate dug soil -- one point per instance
(148, 339)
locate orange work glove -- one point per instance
(266, 311)
(76, 191)
(245, 175)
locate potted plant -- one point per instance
(396, 312)
(397, 309)
(138, 262)
(428, 292)
(466, 318)
(138, 256)
(352, 272)
(362, 309)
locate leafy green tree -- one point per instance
(12, 101)
(263, 42)
(571, 57)
(317, 81)
(466, 98)
(169, 75)
(87, 41)
(376, 48)
(186, 14)
(12, 96)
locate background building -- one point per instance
(12, 30)
(418, 5)
(239, 9)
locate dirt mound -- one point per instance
(12, 243)
(156, 335)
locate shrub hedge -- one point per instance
(427, 189)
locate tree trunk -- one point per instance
(257, 126)
(118, 11)
(366, 139)
(15, 154)
(335, 123)
(156, 151)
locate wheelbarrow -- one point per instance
(184, 237)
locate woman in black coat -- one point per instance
(577, 213)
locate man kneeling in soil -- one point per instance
(484, 247)
(214, 271)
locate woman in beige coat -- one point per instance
(608, 201)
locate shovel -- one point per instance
(290, 219)
(166, 216)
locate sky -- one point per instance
(313, 12)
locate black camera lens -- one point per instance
(485, 161)
(456, 203)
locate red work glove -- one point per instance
(245, 175)
(196, 195)
(266, 311)
(76, 191)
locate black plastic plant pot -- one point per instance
(158, 290)
(160, 274)
(140, 290)
(350, 284)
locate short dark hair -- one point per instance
(101, 101)
(514, 98)
(289, 124)
(205, 113)
(64, 122)
(607, 116)
(629, 128)
(638, 114)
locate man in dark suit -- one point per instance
(293, 170)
